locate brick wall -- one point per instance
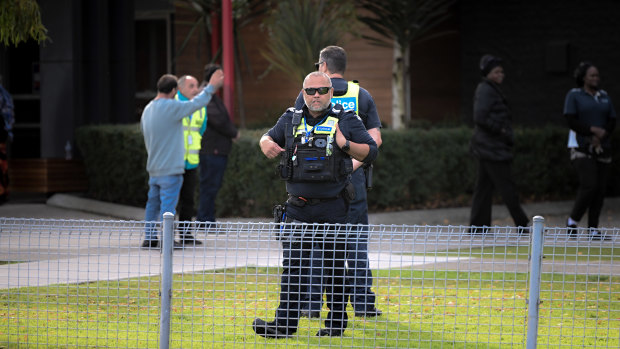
(266, 97)
(529, 36)
(195, 55)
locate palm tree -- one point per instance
(244, 11)
(20, 20)
(401, 23)
(299, 29)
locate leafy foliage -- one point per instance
(416, 168)
(244, 11)
(297, 30)
(115, 161)
(399, 23)
(405, 21)
(20, 20)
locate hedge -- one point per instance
(416, 168)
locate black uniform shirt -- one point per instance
(351, 127)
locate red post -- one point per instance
(228, 59)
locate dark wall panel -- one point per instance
(541, 43)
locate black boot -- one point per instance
(268, 329)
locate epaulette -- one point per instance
(297, 114)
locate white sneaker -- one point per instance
(596, 235)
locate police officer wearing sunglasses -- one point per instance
(316, 145)
(333, 62)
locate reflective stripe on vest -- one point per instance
(349, 100)
(327, 127)
(191, 134)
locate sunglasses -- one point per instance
(317, 65)
(310, 91)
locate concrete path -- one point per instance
(107, 246)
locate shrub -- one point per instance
(416, 168)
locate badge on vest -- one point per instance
(323, 129)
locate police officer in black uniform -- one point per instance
(316, 145)
(333, 62)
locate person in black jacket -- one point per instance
(492, 144)
(592, 119)
(214, 150)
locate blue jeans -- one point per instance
(163, 197)
(212, 168)
(359, 275)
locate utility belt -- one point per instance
(294, 231)
(279, 211)
(300, 201)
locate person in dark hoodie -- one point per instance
(492, 145)
(216, 145)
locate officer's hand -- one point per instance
(357, 164)
(270, 148)
(340, 139)
(217, 79)
(598, 131)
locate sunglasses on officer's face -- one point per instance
(310, 91)
(317, 65)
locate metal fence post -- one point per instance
(535, 272)
(166, 280)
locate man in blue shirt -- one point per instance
(162, 127)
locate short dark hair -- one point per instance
(166, 83)
(581, 71)
(210, 69)
(336, 59)
(488, 62)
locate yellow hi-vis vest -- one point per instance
(349, 100)
(191, 133)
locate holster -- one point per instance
(348, 193)
(279, 212)
(368, 174)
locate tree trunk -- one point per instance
(398, 87)
(407, 87)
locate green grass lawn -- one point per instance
(422, 309)
(557, 253)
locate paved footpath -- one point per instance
(57, 251)
(64, 206)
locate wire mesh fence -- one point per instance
(67, 283)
